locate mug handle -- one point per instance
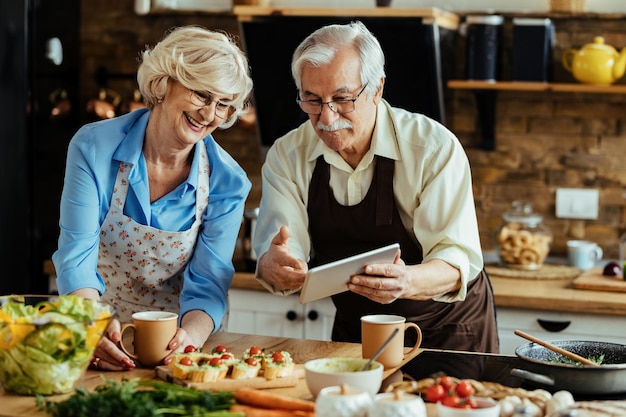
(419, 337)
(598, 253)
(124, 327)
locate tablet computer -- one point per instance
(332, 278)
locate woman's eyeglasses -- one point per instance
(201, 99)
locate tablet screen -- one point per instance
(332, 278)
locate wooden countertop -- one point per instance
(436, 16)
(302, 350)
(548, 294)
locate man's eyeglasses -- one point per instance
(341, 106)
(200, 99)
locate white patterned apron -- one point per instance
(142, 266)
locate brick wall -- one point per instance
(549, 140)
(543, 140)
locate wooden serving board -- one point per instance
(229, 384)
(594, 280)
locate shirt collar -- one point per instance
(131, 147)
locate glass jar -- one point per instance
(523, 241)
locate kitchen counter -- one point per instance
(549, 294)
(302, 350)
(425, 362)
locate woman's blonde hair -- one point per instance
(201, 60)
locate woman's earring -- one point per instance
(159, 100)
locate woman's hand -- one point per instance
(179, 342)
(195, 330)
(108, 355)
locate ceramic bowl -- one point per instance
(47, 342)
(486, 408)
(343, 402)
(398, 404)
(328, 372)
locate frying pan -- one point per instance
(546, 367)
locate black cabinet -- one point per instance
(39, 60)
(417, 56)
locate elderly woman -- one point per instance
(152, 205)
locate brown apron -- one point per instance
(339, 231)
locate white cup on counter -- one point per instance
(583, 254)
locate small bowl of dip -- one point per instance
(338, 371)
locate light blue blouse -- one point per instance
(93, 159)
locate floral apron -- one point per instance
(142, 266)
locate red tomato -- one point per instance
(185, 361)
(447, 382)
(435, 393)
(251, 361)
(215, 361)
(220, 349)
(190, 348)
(226, 356)
(464, 388)
(278, 357)
(255, 350)
(451, 401)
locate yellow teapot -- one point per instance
(595, 63)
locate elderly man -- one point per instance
(363, 174)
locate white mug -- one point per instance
(583, 254)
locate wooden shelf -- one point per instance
(485, 92)
(432, 15)
(537, 86)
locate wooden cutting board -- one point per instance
(229, 384)
(594, 280)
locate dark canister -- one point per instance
(533, 42)
(484, 39)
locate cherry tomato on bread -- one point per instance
(220, 349)
(186, 361)
(215, 361)
(255, 350)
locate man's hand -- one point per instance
(385, 283)
(278, 268)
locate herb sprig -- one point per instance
(562, 359)
(141, 398)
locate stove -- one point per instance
(481, 367)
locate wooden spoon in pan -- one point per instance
(556, 349)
